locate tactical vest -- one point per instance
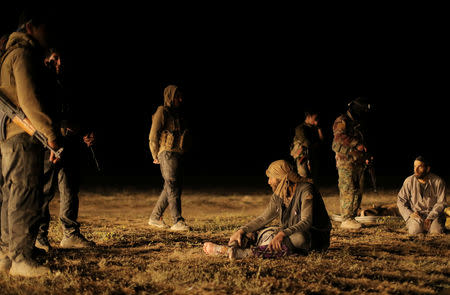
(174, 134)
(352, 129)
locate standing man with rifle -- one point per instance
(351, 156)
(22, 155)
(65, 175)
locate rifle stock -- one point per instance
(25, 124)
(18, 117)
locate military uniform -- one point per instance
(168, 140)
(349, 163)
(304, 150)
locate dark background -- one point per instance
(248, 74)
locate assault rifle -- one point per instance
(369, 167)
(19, 118)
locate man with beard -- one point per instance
(351, 156)
(304, 221)
(421, 200)
(168, 141)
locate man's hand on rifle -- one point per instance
(89, 139)
(55, 147)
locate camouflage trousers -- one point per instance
(22, 170)
(171, 165)
(350, 193)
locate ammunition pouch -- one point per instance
(174, 140)
(167, 140)
(339, 148)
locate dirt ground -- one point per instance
(132, 258)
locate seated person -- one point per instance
(421, 200)
(304, 221)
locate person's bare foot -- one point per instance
(214, 249)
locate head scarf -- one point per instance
(283, 171)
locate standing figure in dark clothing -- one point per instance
(305, 146)
(65, 176)
(21, 81)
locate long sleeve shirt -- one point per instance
(306, 211)
(429, 200)
(20, 82)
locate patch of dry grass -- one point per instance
(132, 258)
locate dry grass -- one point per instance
(132, 258)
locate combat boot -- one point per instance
(159, 223)
(28, 268)
(180, 226)
(75, 240)
(350, 224)
(43, 243)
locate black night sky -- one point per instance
(247, 76)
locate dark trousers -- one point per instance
(170, 196)
(63, 176)
(22, 169)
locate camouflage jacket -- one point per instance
(306, 137)
(347, 136)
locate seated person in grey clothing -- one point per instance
(421, 200)
(304, 222)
